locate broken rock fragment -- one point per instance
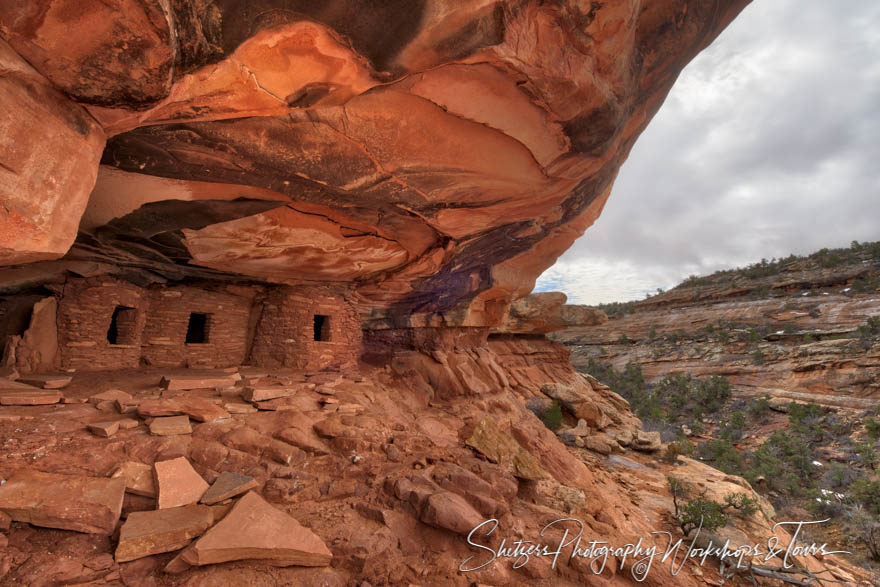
(260, 394)
(227, 485)
(139, 478)
(164, 530)
(69, 502)
(253, 529)
(104, 429)
(178, 483)
(111, 395)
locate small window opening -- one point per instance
(322, 327)
(122, 326)
(197, 329)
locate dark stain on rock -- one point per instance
(591, 132)
(198, 29)
(167, 215)
(482, 32)
(379, 31)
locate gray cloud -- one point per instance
(768, 144)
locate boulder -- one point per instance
(68, 502)
(601, 443)
(579, 402)
(254, 530)
(646, 441)
(499, 447)
(580, 430)
(450, 511)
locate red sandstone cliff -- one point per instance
(439, 155)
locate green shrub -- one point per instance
(867, 454)
(759, 409)
(872, 428)
(867, 493)
(723, 456)
(553, 416)
(785, 461)
(706, 514)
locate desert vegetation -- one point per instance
(808, 460)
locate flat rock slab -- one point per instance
(67, 502)
(198, 381)
(27, 397)
(155, 408)
(239, 408)
(111, 395)
(253, 529)
(202, 410)
(104, 429)
(170, 426)
(261, 394)
(228, 485)
(139, 478)
(178, 483)
(281, 404)
(165, 530)
(47, 381)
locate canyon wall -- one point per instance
(801, 334)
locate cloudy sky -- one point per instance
(769, 144)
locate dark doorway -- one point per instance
(197, 329)
(322, 327)
(123, 324)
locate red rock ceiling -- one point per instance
(439, 154)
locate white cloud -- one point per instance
(767, 145)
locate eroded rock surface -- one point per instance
(439, 155)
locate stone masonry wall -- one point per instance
(164, 340)
(285, 333)
(85, 312)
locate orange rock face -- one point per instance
(438, 155)
(49, 150)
